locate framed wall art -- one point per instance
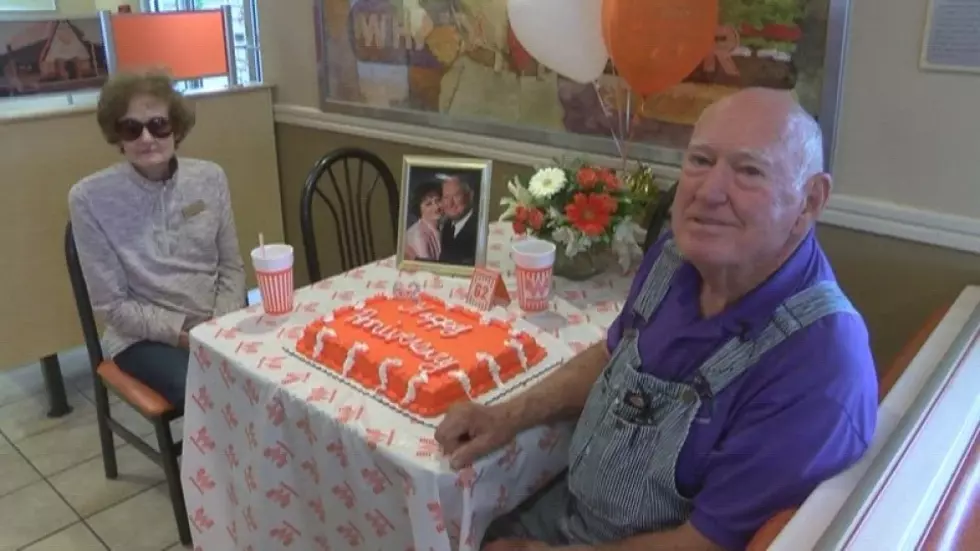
(456, 65)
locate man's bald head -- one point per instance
(777, 116)
(752, 183)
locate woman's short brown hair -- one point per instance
(119, 91)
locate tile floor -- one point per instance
(53, 492)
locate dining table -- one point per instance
(279, 454)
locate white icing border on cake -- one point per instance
(320, 337)
(411, 387)
(492, 365)
(351, 356)
(464, 381)
(518, 347)
(383, 367)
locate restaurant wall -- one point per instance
(44, 155)
(905, 178)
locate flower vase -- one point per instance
(580, 267)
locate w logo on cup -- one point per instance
(534, 288)
(534, 261)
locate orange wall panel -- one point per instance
(187, 44)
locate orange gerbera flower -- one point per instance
(610, 202)
(535, 219)
(588, 213)
(609, 180)
(520, 219)
(588, 177)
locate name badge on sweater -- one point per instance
(193, 209)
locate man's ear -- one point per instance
(816, 192)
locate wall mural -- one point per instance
(38, 57)
(457, 64)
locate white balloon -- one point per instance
(563, 35)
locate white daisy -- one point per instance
(547, 182)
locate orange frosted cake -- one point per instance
(421, 353)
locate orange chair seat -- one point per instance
(138, 395)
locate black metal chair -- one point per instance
(349, 201)
(660, 216)
(156, 409)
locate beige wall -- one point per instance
(289, 51)
(906, 136)
(43, 157)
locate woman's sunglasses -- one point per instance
(131, 129)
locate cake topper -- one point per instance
(412, 291)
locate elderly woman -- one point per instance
(155, 234)
(422, 237)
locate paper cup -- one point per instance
(274, 270)
(534, 262)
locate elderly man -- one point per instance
(458, 238)
(736, 379)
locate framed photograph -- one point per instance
(30, 50)
(444, 215)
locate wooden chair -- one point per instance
(770, 530)
(157, 410)
(349, 200)
(660, 216)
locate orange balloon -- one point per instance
(655, 44)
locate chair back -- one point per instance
(660, 216)
(85, 314)
(345, 180)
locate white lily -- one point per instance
(520, 193)
(624, 244)
(510, 209)
(573, 241)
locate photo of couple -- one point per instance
(443, 214)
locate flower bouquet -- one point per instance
(584, 209)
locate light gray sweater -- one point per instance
(158, 257)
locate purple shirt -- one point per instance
(804, 413)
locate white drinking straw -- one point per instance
(262, 244)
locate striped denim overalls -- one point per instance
(621, 478)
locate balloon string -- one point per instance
(620, 112)
(609, 118)
(634, 121)
(628, 133)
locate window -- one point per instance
(245, 29)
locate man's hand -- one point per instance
(517, 545)
(470, 431)
(184, 341)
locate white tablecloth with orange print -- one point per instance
(279, 455)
